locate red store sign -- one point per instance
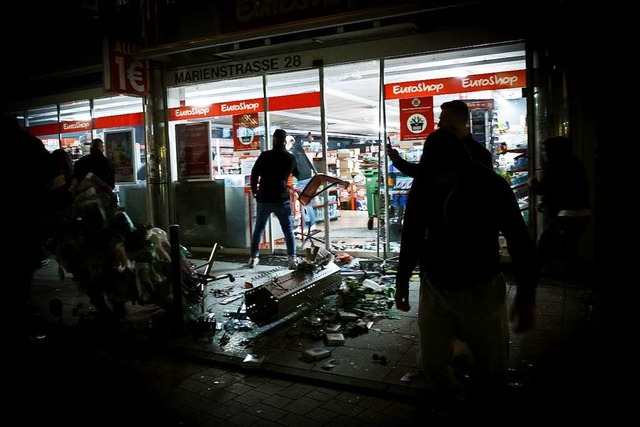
(478, 82)
(247, 106)
(126, 74)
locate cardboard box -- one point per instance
(334, 338)
(316, 353)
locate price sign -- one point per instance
(125, 74)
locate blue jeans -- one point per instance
(309, 211)
(283, 212)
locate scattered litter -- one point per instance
(330, 364)
(368, 283)
(316, 353)
(334, 338)
(252, 361)
(410, 376)
(345, 315)
(333, 328)
(232, 298)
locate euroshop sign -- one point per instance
(474, 83)
(247, 106)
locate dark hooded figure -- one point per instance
(456, 210)
(25, 216)
(564, 188)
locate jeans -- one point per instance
(309, 211)
(282, 211)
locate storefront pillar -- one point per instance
(158, 166)
(547, 102)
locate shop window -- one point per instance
(43, 122)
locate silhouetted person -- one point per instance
(97, 163)
(26, 209)
(58, 186)
(456, 210)
(564, 188)
(269, 177)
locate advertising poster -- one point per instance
(194, 151)
(118, 146)
(416, 118)
(244, 136)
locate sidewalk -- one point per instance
(195, 379)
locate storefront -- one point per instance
(343, 112)
(221, 116)
(361, 79)
(119, 122)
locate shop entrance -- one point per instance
(341, 116)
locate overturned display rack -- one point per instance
(276, 294)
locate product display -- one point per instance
(509, 146)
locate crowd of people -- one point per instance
(69, 212)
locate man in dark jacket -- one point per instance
(269, 185)
(97, 163)
(456, 210)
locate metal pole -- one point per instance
(176, 277)
(157, 150)
(325, 141)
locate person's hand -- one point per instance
(393, 154)
(524, 315)
(402, 297)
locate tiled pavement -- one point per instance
(80, 372)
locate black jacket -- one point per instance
(270, 174)
(564, 185)
(97, 163)
(454, 235)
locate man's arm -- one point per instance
(255, 174)
(405, 167)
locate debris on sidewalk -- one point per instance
(329, 364)
(316, 353)
(252, 361)
(334, 338)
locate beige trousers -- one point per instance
(478, 317)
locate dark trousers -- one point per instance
(559, 246)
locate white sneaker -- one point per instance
(253, 262)
(291, 263)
